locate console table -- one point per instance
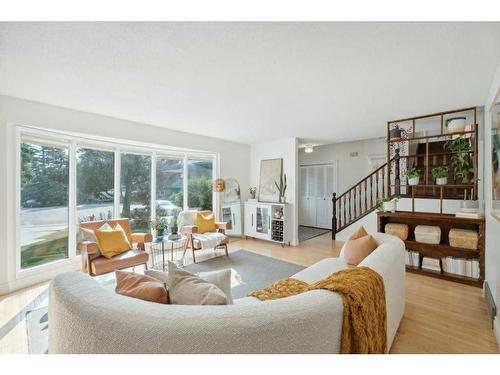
(443, 249)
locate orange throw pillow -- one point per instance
(357, 250)
(361, 232)
(139, 286)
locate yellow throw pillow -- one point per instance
(112, 242)
(205, 222)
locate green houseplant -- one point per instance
(461, 161)
(387, 204)
(440, 174)
(413, 175)
(160, 224)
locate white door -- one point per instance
(311, 219)
(303, 201)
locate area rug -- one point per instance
(306, 233)
(37, 329)
(250, 271)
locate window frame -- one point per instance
(73, 141)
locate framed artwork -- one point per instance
(495, 161)
(232, 191)
(270, 172)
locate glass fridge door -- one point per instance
(262, 220)
(227, 216)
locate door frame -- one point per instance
(335, 164)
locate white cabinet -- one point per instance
(268, 221)
(232, 213)
(315, 196)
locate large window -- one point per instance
(95, 184)
(169, 186)
(44, 204)
(200, 174)
(65, 180)
(135, 194)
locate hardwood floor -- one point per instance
(440, 317)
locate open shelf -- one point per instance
(397, 140)
(446, 276)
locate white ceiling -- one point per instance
(249, 82)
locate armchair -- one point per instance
(94, 264)
(197, 241)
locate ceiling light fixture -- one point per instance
(308, 149)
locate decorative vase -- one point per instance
(456, 124)
(390, 206)
(413, 181)
(468, 204)
(441, 180)
(159, 233)
(174, 229)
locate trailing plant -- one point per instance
(413, 172)
(381, 201)
(461, 161)
(440, 172)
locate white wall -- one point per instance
(351, 169)
(234, 158)
(492, 225)
(282, 148)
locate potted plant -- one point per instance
(387, 204)
(395, 133)
(253, 192)
(461, 162)
(413, 175)
(455, 124)
(159, 225)
(281, 187)
(173, 223)
(440, 174)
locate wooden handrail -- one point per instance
(364, 179)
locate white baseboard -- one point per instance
(38, 277)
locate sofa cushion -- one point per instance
(139, 286)
(320, 270)
(112, 242)
(357, 250)
(220, 278)
(124, 260)
(186, 288)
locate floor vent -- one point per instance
(490, 303)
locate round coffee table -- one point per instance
(160, 246)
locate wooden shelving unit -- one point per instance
(429, 158)
(443, 249)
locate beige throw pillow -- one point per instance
(361, 232)
(357, 250)
(220, 278)
(186, 288)
(139, 286)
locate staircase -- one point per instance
(360, 200)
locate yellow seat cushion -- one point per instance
(112, 242)
(205, 222)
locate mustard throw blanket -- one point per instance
(363, 295)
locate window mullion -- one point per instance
(117, 184)
(72, 200)
(185, 182)
(153, 186)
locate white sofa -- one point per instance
(84, 317)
